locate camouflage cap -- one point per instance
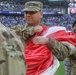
(33, 6)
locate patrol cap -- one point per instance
(33, 6)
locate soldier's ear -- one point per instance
(41, 14)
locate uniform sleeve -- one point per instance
(17, 29)
(73, 62)
(61, 49)
(27, 32)
(24, 31)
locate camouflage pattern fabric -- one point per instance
(73, 62)
(68, 66)
(33, 6)
(24, 31)
(62, 50)
(27, 31)
(12, 61)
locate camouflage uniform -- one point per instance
(73, 67)
(68, 66)
(12, 61)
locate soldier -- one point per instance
(12, 61)
(70, 63)
(39, 49)
(73, 61)
(74, 27)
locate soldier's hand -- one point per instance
(38, 28)
(40, 40)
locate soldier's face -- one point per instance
(33, 17)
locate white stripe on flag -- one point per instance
(52, 69)
(54, 29)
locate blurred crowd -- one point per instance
(10, 6)
(13, 6)
(65, 20)
(10, 21)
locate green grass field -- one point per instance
(61, 70)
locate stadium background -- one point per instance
(56, 12)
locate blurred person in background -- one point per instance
(70, 64)
(74, 27)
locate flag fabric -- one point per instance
(39, 59)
